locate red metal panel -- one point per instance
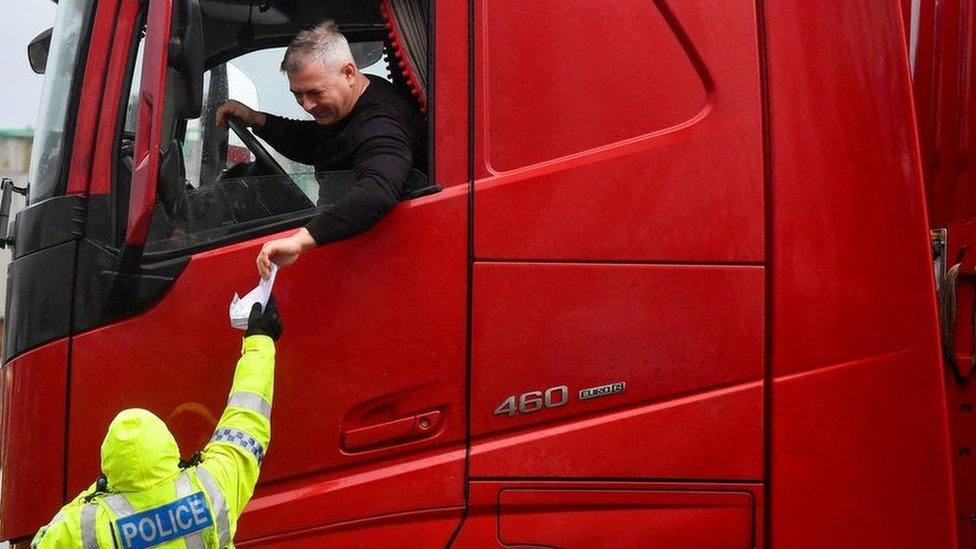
(108, 120)
(580, 522)
(450, 91)
(638, 129)
(32, 459)
(152, 92)
(594, 518)
(858, 418)
(859, 443)
(713, 435)
(668, 332)
(89, 102)
(924, 82)
(431, 528)
(374, 331)
(906, 18)
(652, 82)
(946, 103)
(341, 501)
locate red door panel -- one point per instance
(682, 339)
(403, 531)
(624, 130)
(369, 413)
(570, 518)
(33, 410)
(374, 332)
(714, 435)
(532, 513)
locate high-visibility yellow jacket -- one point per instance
(150, 501)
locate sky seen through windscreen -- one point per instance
(20, 88)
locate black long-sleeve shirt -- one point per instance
(381, 139)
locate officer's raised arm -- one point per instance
(232, 459)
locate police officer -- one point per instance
(147, 498)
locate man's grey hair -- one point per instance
(323, 42)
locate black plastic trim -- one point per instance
(261, 227)
(375, 34)
(48, 223)
(38, 298)
(60, 283)
(104, 295)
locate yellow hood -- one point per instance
(138, 452)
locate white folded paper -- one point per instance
(240, 307)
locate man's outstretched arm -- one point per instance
(382, 163)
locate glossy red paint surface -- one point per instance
(668, 332)
(374, 331)
(714, 435)
(450, 93)
(945, 99)
(89, 103)
(632, 518)
(152, 91)
(635, 69)
(108, 120)
(961, 398)
(32, 458)
(958, 361)
(429, 528)
(611, 514)
(398, 488)
(858, 417)
(644, 147)
(945, 104)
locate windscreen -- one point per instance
(49, 154)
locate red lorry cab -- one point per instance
(666, 281)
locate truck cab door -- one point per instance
(369, 415)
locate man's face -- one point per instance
(326, 94)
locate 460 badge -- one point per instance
(553, 397)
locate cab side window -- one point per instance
(211, 184)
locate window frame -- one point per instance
(119, 207)
(249, 229)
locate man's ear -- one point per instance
(348, 70)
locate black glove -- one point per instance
(265, 322)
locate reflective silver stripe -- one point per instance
(120, 506)
(219, 504)
(250, 401)
(89, 538)
(240, 439)
(184, 487)
(194, 541)
(57, 518)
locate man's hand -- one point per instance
(283, 251)
(266, 322)
(251, 117)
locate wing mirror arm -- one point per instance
(8, 188)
